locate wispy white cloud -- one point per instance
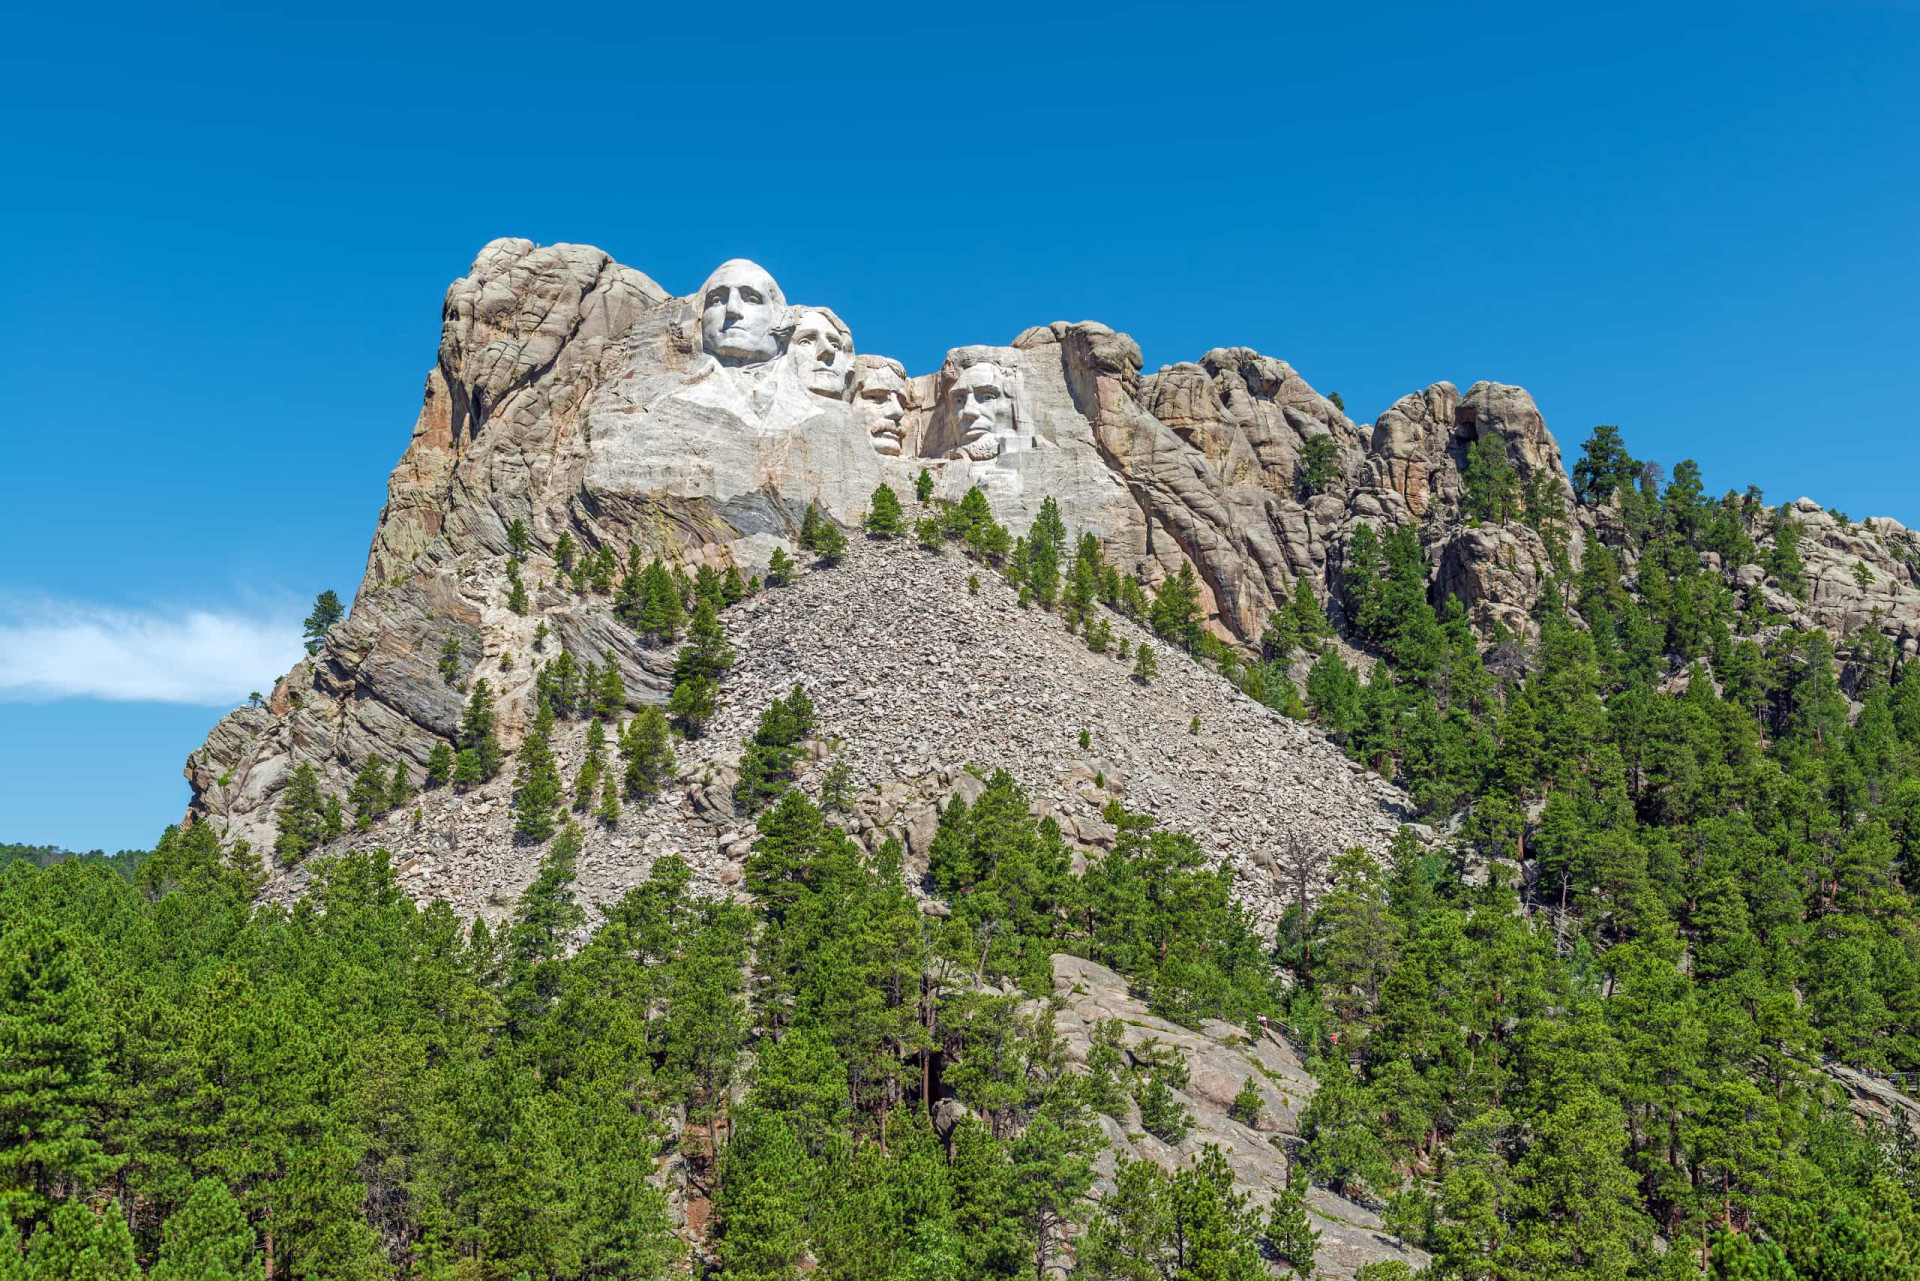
(51, 649)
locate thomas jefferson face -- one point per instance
(881, 404)
(740, 307)
(822, 352)
(982, 408)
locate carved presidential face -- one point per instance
(740, 311)
(881, 403)
(983, 408)
(822, 353)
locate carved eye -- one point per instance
(987, 393)
(750, 295)
(715, 297)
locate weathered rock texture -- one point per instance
(580, 397)
(1220, 1058)
(917, 684)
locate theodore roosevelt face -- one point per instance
(880, 400)
(740, 307)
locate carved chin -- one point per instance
(826, 384)
(743, 348)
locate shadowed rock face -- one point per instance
(579, 396)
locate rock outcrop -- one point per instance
(1219, 1059)
(578, 397)
(920, 686)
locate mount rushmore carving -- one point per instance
(765, 352)
(576, 395)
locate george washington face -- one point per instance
(740, 310)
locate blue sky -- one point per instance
(226, 235)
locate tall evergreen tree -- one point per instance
(884, 518)
(1176, 608)
(53, 1045)
(300, 822)
(370, 792)
(536, 784)
(1604, 467)
(327, 611)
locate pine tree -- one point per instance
(1492, 488)
(537, 781)
(1783, 558)
(477, 739)
(707, 588)
(810, 526)
(592, 764)
(440, 765)
(564, 551)
(884, 518)
(400, 789)
(1305, 620)
(1246, 1104)
(648, 755)
(765, 1183)
(660, 607)
(327, 611)
(368, 795)
(1289, 1231)
(605, 569)
(923, 485)
(333, 819)
(300, 823)
(609, 693)
(766, 767)
(53, 1043)
(1319, 465)
(1144, 666)
(450, 657)
(544, 920)
(207, 1239)
(76, 1244)
(518, 540)
(829, 543)
(1176, 608)
(1333, 694)
(609, 811)
(780, 568)
(1604, 467)
(1046, 545)
(697, 670)
(516, 590)
(692, 703)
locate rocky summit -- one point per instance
(579, 397)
